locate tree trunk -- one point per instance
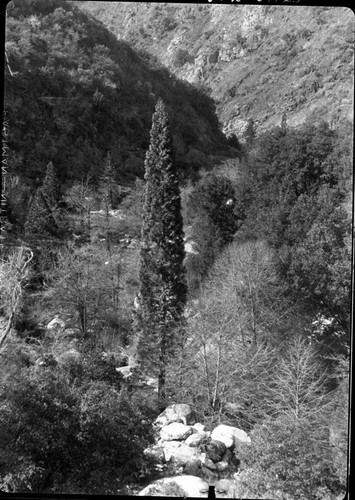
(207, 373)
(8, 328)
(181, 361)
(214, 401)
(162, 375)
(83, 320)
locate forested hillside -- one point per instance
(74, 93)
(149, 263)
(256, 61)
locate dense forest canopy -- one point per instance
(73, 92)
(145, 251)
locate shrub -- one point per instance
(214, 197)
(113, 435)
(169, 24)
(290, 452)
(182, 57)
(38, 425)
(197, 265)
(287, 459)
(61, 438)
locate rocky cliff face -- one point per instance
(257, 62)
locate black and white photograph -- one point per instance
(176, 249)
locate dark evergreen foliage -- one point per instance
(57, 437)
(297, 183)
(51, 186)
(107, 183)
(162, 275)
(74, 92)
(207, 247)
(40, 222)
(214, 198)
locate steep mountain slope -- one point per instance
(73, 92)
(258, 62)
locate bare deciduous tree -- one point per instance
(230, 347)
(85, 283)
(81, 198)
(14, 271)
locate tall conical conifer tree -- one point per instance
(52, 195)
(162, 274)
(40, 223)
(106, 194)
(51, 186)
(107, 183)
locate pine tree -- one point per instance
(107, 183)
(40, 222)
(51, 186)
(162, 275)
(106, 193)
(52, 194)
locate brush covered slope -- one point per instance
(257, 62)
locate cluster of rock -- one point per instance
(186, 450)
(189, 486)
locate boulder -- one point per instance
(222, 466)
(169, 449)
(156, 452)
(181, 486)
(196, 439)
(181, 453)
(176, 413)
(175, 432)
(207, 462)
(151, 382)
(199, 427)
(56, 324)
(215, 450)
(225, 488)
(230, 436)
(125, 371)
(190, 247)
(193, 468)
